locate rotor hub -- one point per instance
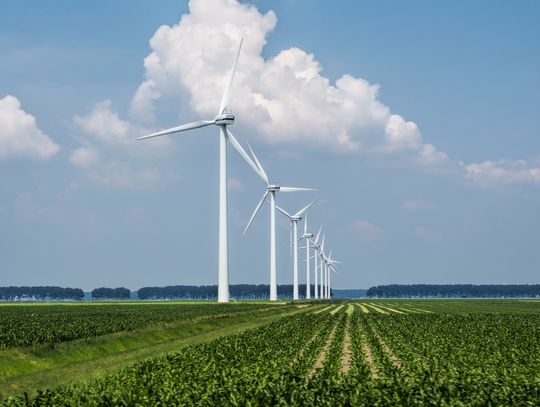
(224, 119)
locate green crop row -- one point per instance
(30, 325)
(395, 359)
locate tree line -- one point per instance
(110, 293)
(455, 290)
(181, 292)
(40, 293)
(209, 292)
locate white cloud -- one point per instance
(504, 172)
(428, 155)
(419, 205)
(366, 230)
(105, 125)
(283, 99)
(84, 157)
(19, 134)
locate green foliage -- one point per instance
(24, 325)
(465, 359)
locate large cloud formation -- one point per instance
(285, 99)
(19, 134)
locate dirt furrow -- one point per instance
(319, 362)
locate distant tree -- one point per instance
(110, 293)
(455, 290)
(40, 293)
(209, 292)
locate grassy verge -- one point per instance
(48, 366)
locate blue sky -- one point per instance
(431, 177)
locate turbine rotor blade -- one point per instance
(318, 234)
(256, 211)
(227, 93)
(245, 155)
(295, 189)
(305, 225)
(183, 127)
(300, 212)
(265, 175)
(284, 212)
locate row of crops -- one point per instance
(340, 356)
(36, 324)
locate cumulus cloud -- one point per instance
(84, 157)
(504, 172)
(283, 99)
(19, 134)
(105, 125)
(366, 230)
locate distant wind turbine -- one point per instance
(308, 236)
(271, 190)
(222, 120)
(294, 225)
(316, 245)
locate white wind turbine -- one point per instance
(321, 265)
(271, 190)
(222, 120)
(329, 265)
(308, 236)
(294, 225)
(316, 245)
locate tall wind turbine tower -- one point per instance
(270, 192)
(222, 121)
(294, 225)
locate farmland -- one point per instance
(369, 352)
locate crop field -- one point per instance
(31, 324)
(365, 352)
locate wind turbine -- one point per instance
(308, 236)
(294, 225)
(222, 120)
(271, 190)
(329, 265)
(321, 255)
(316, 245)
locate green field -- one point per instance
(365, 352)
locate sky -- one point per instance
(417, 123)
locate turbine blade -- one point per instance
(256, 211)
(305, 225)
(227, 94)
(265, 175)
(295, 189)
(284, 212)
(300, 212)
(238, 147)
(318, 234)
(183, 127)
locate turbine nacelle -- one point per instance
(224, 119)
(273, 188)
